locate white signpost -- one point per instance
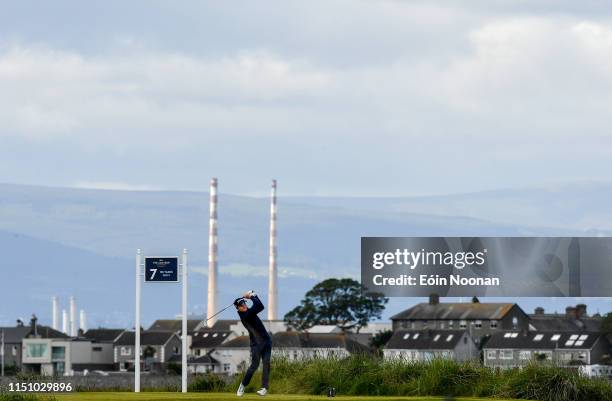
(161, 269)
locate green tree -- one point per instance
(380, 339)
(340, 302)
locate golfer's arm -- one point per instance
(257, 305)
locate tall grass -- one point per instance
(365, 375)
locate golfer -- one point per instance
(261, 343)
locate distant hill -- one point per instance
(576, 206)
(58, 241)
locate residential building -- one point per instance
(515, 349)
(156, 349)
(480, 319)
(424, 345)
(205, 341)
(574, 319)
(13, 337)
(102, 349)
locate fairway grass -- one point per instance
(146, 396)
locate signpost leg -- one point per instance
(137, 326)
(184, 330)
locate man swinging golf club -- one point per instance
(261, 343)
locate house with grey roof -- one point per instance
(425, 345)
(515, 349)
(234, 355)
(306, 345)
(205, 341)
(574, 319)
(156, 349)
(102, 349)
(480, 319)
(13, 337)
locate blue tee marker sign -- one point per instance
(161, 269)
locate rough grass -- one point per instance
(364, 375)
(107, 396)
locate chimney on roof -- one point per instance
(34, 325)
(570, 312)
(581, 311)
(539, 310)
(434, 299)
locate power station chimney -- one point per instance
(272, 288)
(73, 318)
(212, 254)
(55, 313)
(64, 321)
(83, 321)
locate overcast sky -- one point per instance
(330, 97)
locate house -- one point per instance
(234, 355)
(306, 345)
(574, 319)
(174, 325)
(205, 341)
(47, 351)
(516, 349)
(203, 364)
(102, 349)
(596, 371)
(480, 319)
(156, 349)
(424, 345)
(13, 337)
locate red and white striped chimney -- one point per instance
(272, 288)
(212, 254)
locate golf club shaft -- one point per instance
(220, 311)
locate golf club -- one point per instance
(232, 304)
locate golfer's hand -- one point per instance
(248, 294)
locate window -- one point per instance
(437, 337)
(579, 343)
(555, 337)
(565, 356)
(36, 350)
(583, 337)
(415, 336)
(569, 342)
(493, 324)
(14, 350)
(176, 350)
(514, 323)
(406, 336)
(525, 355)
(125, 351)
(573, 337)
(205, 335)
(510, 335)
(463, 324)
(96, 349)
(478, 324)
(491, 354)
(226, 367)
(215, 334)
(450, 324)
(506, 354)
(58, 353)
(442, 324)
(450, 337)
(538, 337)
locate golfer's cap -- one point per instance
(239, 301)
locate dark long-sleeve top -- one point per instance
(257, 331)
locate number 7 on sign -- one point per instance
(153, 271)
